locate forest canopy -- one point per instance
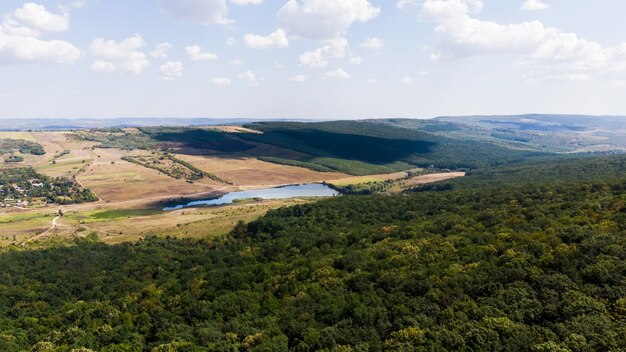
(535, 267)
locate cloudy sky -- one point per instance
(310, 58)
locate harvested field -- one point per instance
(253, 173)
(424, 179)
(17, 135)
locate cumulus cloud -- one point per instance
(323, 19)
(534, 5)
(19, 32)
(196, 54)
(171, 70)
(372, 43)
(298, 78)
(202, 11)
(119, 57)
(318, 58)
(161, 50)
(337, 74)
(277, 39)
(221, 81)
(545, 52)
(37, 17)
(249, 77)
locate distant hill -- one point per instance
(549, 133)
(68, 124)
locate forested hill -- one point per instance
(353, 147)
(337, 144)
(510, 268)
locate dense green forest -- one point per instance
(530, 267)
(362, 147)
(542, 170)
(26, 184)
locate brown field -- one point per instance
(17, 135)
(430, 178)
(354, 180)
(249, 173)
(115, 180)
(230, 129)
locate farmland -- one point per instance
(133, 172)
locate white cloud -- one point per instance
(406, 80)
(318, 58)
(221, 81)
(356, 60)
(371, 81)
(249, 77)
(196, 54)
(171, 70)
(337, 74)
(534, 5)
(545, 52)
(277, 39)
(103, 66)
(18, 42)
(119, 57)
(235, 62)
(247, 2)
(372, 43)
(37, 17)
(161, 50)
(423, 73)
(19, 49)
(403, 4)
(323, 19)
(298, 78)
(202, 11)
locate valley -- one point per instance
(132, 173)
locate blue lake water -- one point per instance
(308, 190)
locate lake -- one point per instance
(308, 190)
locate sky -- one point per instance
(310, 59)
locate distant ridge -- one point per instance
(70, 124)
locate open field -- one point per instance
(253, 173)
(352, 180)
(430, 178)
(230, 129)
(18, 227)
(115, 226)
(115, 180)
(17, 135)
(131, 195)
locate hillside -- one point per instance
(511, 268)
(352, 147)
(547, 133)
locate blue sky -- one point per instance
(322, 59)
